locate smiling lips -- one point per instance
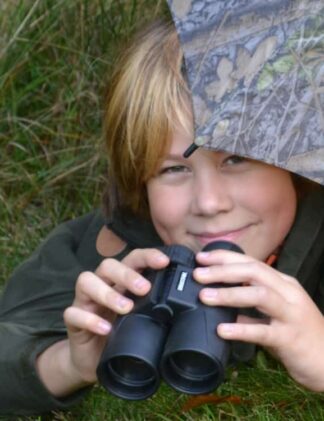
(232, 235)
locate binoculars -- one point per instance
(170, 334)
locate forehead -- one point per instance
(179, 142)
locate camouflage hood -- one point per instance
(256, 72)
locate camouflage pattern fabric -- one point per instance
(256, 72)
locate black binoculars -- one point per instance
(170, 334)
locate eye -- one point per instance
(234, 160)
(173, 169)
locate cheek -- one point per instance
(167, 207)
(274, 198)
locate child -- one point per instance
(57, 309)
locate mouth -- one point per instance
(233, 236)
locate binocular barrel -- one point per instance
(194, 362)
(129, 365)
(170, 334)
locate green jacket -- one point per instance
(32, 304)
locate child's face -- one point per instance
(215, 195)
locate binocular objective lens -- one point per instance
(192, 365)
(131, 371)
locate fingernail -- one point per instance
(104, 327)
(209, 293)
(140, 283)
(226, 329)
(203, 254)
(122, 302)
(161, 258)
(202, 271)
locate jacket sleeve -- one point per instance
(31, 319)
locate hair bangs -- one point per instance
(148, 101)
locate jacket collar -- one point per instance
(304, 245)
(137, 232)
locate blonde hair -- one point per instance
(147, 100)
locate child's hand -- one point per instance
(71, 364)
(98, 299)
(294, 329)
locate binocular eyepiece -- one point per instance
(170, 334)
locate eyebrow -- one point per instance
(174, 156)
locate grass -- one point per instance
(55, 60)
(261, 391)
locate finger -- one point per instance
(77, 319)
(261, 334)
(222, 257)
(253, 273)
(225, 257)
(264, 299)
(125, 274)
(121, 277)
(92, 289)
(140, 259)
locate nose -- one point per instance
(211, 194)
